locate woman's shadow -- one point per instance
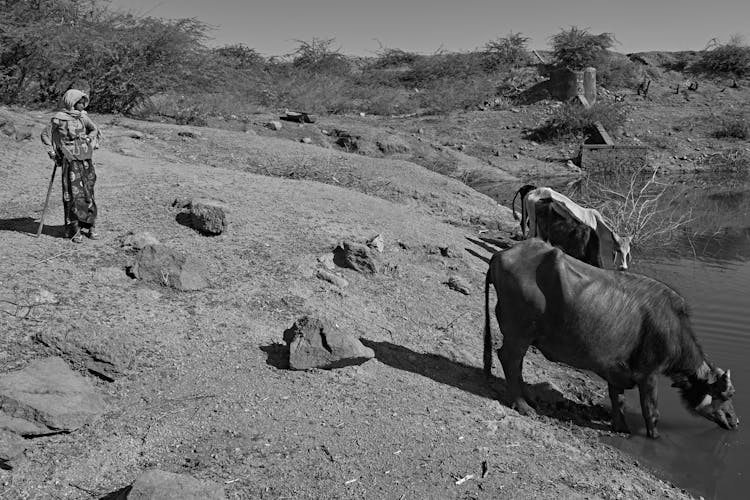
(29, 225)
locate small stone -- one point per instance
(274, 125)
(334, 279)
(306, 140)
(459, 284)
(376, 243)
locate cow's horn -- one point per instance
(707, 400)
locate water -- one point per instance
(709, 264)
(708, 261)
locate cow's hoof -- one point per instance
(653, 434)
(620, 427)
(523, 408)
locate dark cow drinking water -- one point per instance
(624, 327)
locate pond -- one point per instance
(709, 264)
(707, 259)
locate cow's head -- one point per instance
(621, 249)
(710, 397)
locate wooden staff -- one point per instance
(46, 201)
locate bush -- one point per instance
(319, 56)
(450, 94)
(733, 127)
(47, 47)
(614, 71)
(507, 52)
(731, 59)
(426, 70)
(577, 49)
(573, 121)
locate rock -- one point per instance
(459, 284)
(7, 128)
(208, 217)
(449, 252)
(314, 343)
(168, 267)
(160, 485)
(50, 396)
(306, 140)
(327, 261)
(97, 348)
(346, 140)
(392, 145)
(138, 240)
(134, 134)
(355, 256)
(334, 279)
(274, 125)
(190, 134)
(11, 446)
(376, 243)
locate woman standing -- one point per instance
(71, 138)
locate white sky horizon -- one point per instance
(365, 27)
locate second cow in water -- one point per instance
(581, 232)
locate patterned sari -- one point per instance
(71, 138)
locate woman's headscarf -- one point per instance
(69, 100)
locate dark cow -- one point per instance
(571, 236)
(522, 192)
(624, 327)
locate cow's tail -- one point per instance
(488, 348)
(513, 204)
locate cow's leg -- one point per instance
(511, 357)
(647, 390)
(530, 217)
(617, 397)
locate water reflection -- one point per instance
(697, 459)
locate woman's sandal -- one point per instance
(94, 235)
(77, 238)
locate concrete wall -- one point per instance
(565, 84)
(604, 158)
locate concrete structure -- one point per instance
(567, 84)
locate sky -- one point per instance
(366, 27)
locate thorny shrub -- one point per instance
(573, 121)
(637, 205)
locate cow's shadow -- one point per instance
(29, 225)
(548, 401)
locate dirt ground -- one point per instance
(209, 392)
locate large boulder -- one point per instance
(160, 485)
(47, 397)
(11, 446)
(101, 350)
(315, 343)
(168, 267)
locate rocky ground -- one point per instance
(198, 382)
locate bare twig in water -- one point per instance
(636, 209)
